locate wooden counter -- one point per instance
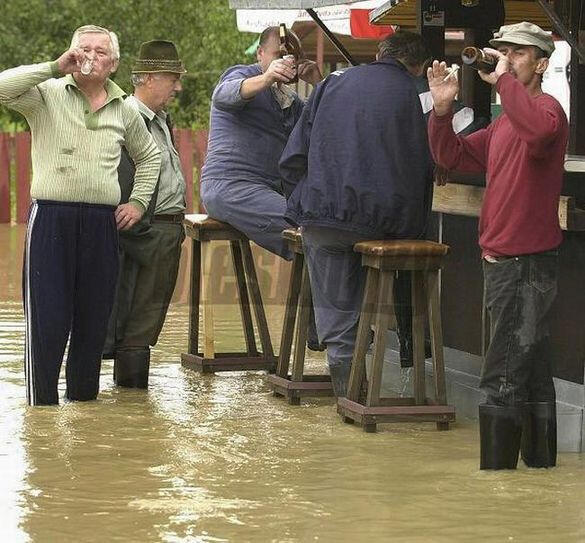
(466, 200)
(455, 222)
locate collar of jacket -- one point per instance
(391, 62)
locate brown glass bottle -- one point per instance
(286, 48)
(478, 59)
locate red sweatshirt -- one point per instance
(522, 153)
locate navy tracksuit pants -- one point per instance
(69, 279)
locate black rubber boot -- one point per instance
(312, 338)
(500, 430)
(340, 379)
(539, 435)
(406, 355)
(131, 368)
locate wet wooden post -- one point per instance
(577, 83)
(4, 179)
(22, 144)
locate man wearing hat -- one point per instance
(522, 154)
(150, 251)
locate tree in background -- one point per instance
(204, 30)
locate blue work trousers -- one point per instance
(254, 208)
(337, 285)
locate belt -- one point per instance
(177, 218)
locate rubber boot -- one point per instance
(406, 353)
(340, 379)
(500, 430)
(131, 367)
(539, 435)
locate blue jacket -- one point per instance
(247, 137)
(358, 159)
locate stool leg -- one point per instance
(418, 336)
(206, 287)
(383, 315)
(194, 297)
(290, 315)
(256, 297)
(302, 327)
(243, 299)
(358, 362)
(432, 288)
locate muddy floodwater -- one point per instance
(213, 458)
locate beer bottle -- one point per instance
(478, 59)
(287, 49)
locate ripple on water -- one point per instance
(211, 458)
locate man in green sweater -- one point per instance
(79, 122)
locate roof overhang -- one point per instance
(285, 4)
(404, 13)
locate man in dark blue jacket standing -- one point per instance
(357, 166)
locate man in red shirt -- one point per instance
(522, 154)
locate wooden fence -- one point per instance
(15, 170)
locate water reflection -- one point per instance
(207, 458)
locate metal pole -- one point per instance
(339, 46)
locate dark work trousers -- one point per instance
(337, 285)
(144, 288)
(254, 208)
(519, 292)
(69, 279)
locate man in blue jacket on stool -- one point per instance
(357, 166)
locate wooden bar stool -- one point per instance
(298, 302)
(203, 230)
(382, 259)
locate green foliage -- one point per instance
(204, 31)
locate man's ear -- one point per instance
(541, 65)
(259, 52)
(115, 65)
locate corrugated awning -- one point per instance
(403, 13)
(285, 4)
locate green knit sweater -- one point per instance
(75, 152)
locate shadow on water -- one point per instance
(214, 458)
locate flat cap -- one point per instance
(524, 33)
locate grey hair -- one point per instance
(93, 29)
(138, 79)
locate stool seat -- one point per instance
(409, 247)
(292, 234)
(295, 240)
(203, 228)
